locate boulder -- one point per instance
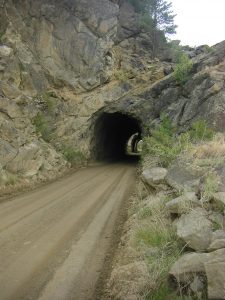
(183, 204)
(219, 201)
(5, 51)
(215, 272)
(218, 234)
(155, 177)
(195, 229)
(182, 177)
(217, 241)
(185, 269)
(217, 244)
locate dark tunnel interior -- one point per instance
(111, 134)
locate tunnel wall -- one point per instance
(111, 134)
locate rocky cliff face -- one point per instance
(64, 63)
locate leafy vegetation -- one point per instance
(154, 235)
(160, 13)
(216, 225)
(183, 69)
(44, 120)
(48, 102)
(200, 131)
(165, 144)
(155, 16)
(11, 179)
(210, 186)
(73, 156)
(156, 238)
(122, 76)
(145, 22)
(42, 126)
(139, 5)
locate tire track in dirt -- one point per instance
(53, 238)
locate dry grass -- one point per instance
(212, 149)
(155, 237)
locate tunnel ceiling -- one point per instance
(111, 134)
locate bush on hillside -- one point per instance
(183, 69)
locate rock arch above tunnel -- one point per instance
(111, 134)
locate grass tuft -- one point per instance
(73, 156)
(165, 144)
(183, 69)
(43, 127)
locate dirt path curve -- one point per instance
(53, 240)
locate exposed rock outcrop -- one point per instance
(67, 62)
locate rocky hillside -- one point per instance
(64, 63)
(173, 244)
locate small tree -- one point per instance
(160, 12)
(162, 15)
(183, 69)
(163, 19)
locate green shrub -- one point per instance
(165, 144)
(210, 186)
(154, 235)
(138, 5)
(43, 127)
(145, 22)
(183, 69)
(216, 225)
(144, 213)
(121, 75)
(200, 131)
(11, 179)
(49, 103)
(73, 156)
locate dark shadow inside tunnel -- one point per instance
(112, 132)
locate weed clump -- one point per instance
(165, 144)
(210, 186)
(183, 69)
(157, 239)
(42, 126)
(73, 156)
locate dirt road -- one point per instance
(53, 240)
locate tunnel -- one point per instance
(112, 132)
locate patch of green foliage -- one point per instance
(200, 131)
(216, 225)
(121, 75)
(154, 236)
(161, 293)
(145, 22)
(144, 213)
(49, 103)
(73, 156)
(183, 69)
(159, 263)
(210, 186)
(165, 144)
(139, 5)
(208, 49)
(11, 179)
(42, 126)
(44, 120)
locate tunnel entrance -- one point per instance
(112, 132)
